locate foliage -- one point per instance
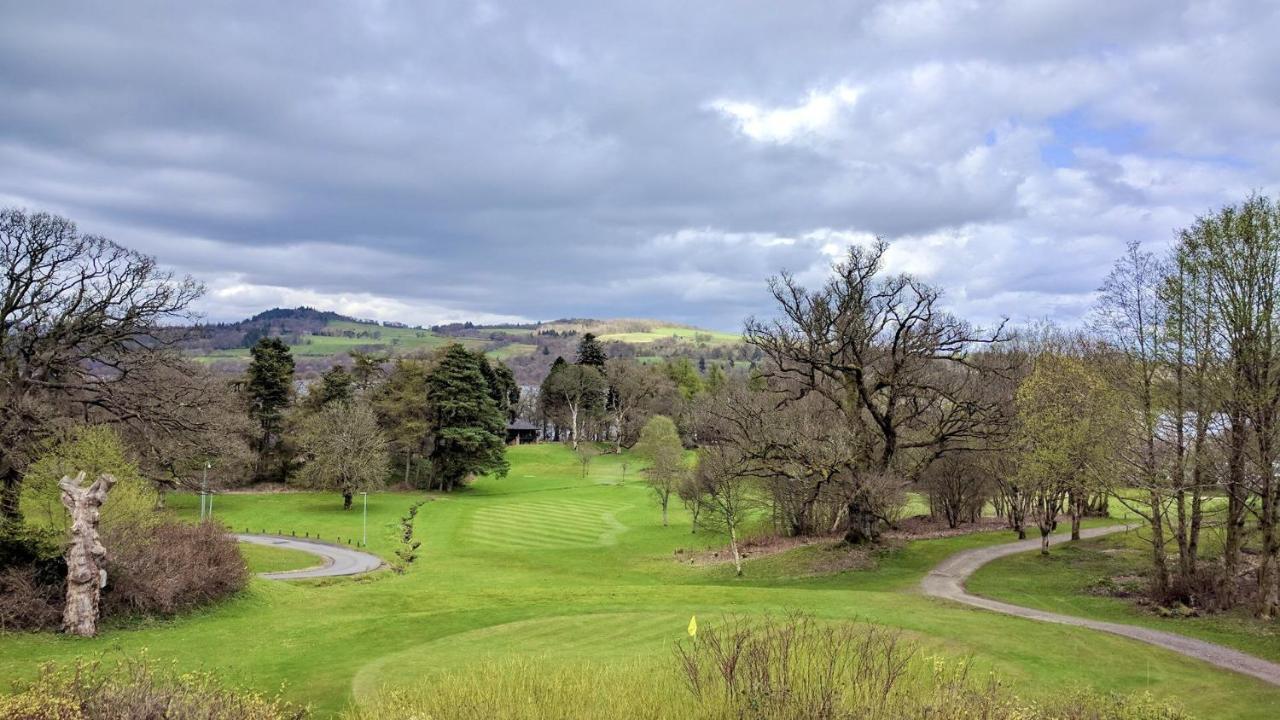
(94, 450)
(336, 385)
(136, 689)
(574, 395)
(1068, 421)
(591, 353)
(469, 429)
(660, 446)
(344, 450)
(269, 388)
(404, 411)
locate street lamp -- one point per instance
(364, 523)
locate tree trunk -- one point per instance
(10, 493)
(733, 544)
(665, 500)
(1158, 553)
(346, 500)
(1077, 510)
(1044, 540)
(86, 557)
(1235, 511)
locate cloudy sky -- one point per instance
(440, 161)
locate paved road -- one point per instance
(337, 560)
(947, 581)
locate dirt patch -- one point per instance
(923, 527)
(828, 554)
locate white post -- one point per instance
(364, 524)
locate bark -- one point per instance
(86, 557)
(1044, 540)
(666, 499)
(733, 544)
(11, 494)
(346, 500)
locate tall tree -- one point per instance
(1236, 252)
(638, 392)
(79, 316)
(404, 411)
(579, 392)
(591, 352)
(1069, 423)
(905, 373)
(344, 450)
(502, 385)
(468, 429)
(335, 385)
(660, 446)
(269, 388)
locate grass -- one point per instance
(267, 559)
(548, 567)
(1070, 579)
(375, 338)
(684, 334)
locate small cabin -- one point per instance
(521, 432)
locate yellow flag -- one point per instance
(693, 626)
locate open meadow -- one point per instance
(578, 574)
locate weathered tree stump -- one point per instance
(86, 557)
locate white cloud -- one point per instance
(816, 114)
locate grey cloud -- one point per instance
(530, 159)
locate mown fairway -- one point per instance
(550, 566)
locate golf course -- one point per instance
(577, 574)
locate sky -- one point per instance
(433, 162)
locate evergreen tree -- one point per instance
(502, 385)
(269, 387)
(590, 352)
(469, 431)
(336, 385)
(404, 412)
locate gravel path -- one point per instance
(337, 560)
(947, 581)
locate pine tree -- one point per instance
(590, 352)
(336, 385)
(469, 429)
(269, 387)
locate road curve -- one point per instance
(947, 581)
(337, 560)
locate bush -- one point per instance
(28, 603)
(170, 567)
(32, 576)
(136, 690)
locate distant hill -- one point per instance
(321, 338)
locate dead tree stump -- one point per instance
(86, 558)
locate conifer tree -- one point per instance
(590, 352)
(469, 430)
(269, 387)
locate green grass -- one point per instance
(266, 559)
(377, 338)
(1065, 582)
(549, 567)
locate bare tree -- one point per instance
(724, 492)
(905, 374)
(78, 321)
(580, 390)
(344, 450)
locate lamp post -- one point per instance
(364, 522)
(208, 465)
(204, 494)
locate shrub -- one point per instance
(32, 574)
(170, 567)
(27, 602)
(136, 690)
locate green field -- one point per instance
(376, 338)
(549, 567)
(267, 559)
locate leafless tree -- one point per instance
(904, 373)
(78, 322)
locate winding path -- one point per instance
(947, 581)
(337, 560)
